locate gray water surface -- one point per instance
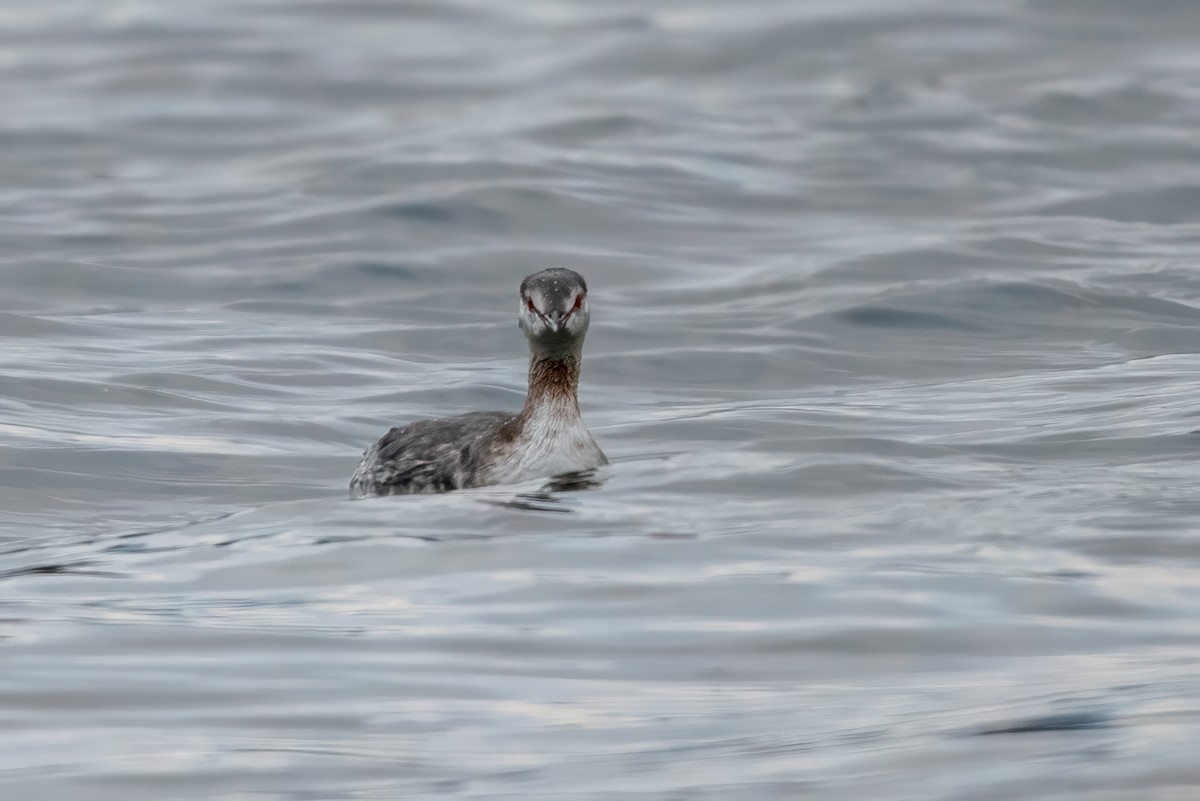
(896, 330)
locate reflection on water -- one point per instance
(549, 497)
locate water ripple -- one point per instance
(894, 350)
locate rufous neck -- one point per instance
(553, 382)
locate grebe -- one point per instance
(546, 438)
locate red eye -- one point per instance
(578, 302)
(529, 303)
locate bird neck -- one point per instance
(553, 382)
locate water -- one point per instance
(895, 335)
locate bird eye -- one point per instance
(529, 303)
(578, 302)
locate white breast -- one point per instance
(552, 441)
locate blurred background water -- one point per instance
(894, 348)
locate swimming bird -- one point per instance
(546, 438)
